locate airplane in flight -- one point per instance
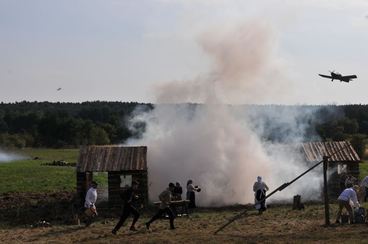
(337, 76)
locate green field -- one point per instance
(279, 224)
(30, 176)
(363, 169)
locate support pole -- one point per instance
(325, 191)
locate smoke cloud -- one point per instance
(8, 157)
(245, 69)
(222, 147)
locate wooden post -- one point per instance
(325, 191)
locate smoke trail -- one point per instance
(224, 148)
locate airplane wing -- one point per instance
(325, 76)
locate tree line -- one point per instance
(46, 124)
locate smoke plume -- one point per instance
(222, 147)
(8, 157)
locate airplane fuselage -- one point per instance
(337, 76)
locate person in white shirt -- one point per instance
(89, 203)
(349, 194)
(365, 184)
(260, 189)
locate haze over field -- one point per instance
(8, 157)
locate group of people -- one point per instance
(348, 198)
(132, 202)
(177, 192)
(172, 193)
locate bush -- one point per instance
(15, 140)
(358, 142)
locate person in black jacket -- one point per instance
(178, 190)
(130, 197)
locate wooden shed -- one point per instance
(123, 165)
(343, 161)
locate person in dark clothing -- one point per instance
(165, 198)
(178, 190)
(260, 189)
(176, 196)
(130, 197)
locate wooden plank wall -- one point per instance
(115, 199)
(114, 189)
(83, 182)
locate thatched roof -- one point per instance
(340, 151)
(112, 158)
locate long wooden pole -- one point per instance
(325, 191)
(280, 188)
(283, 186)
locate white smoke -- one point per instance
(8, 157)
(223, 148)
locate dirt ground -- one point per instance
(17, 209)
(279, 224)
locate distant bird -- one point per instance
(58, 89)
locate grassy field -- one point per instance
(279, 224)
(29, 175)
(363, 169)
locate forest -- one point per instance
(67, 125)
(58, 125)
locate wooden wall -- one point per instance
(115, 199)
(84, 179)
(83, 182)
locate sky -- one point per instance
(122, 50)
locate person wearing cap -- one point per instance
(165, 198)
(89, 203)
(130, 197)
(349, 194)
(260, 189)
